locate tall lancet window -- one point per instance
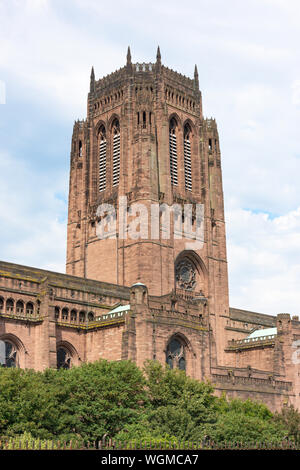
(187, 158)
(102, 158)
(173, 152)
(116, 152)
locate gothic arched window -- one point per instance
(187, 158)
(73, 315)
(29, 308)
(116, 152)
(82, 317)
(20, 306)
(173, 151)
(57, 312)
(10, 306)
(175, 356)
(65, 314)
(102, 158)
(63, 358)
(8, 354)
(91, 316)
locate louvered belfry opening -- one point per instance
(102, 159)
(173, 152)
(116, 152)
(187, 158)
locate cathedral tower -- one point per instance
(145, 142)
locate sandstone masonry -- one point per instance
(145, 139)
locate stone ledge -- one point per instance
(23, 318)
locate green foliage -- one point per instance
(179, 406)
(27, 442)
(82, 403)
(289, 418)
(245, 421)
(26, 404)
(118, 400)
(240, 427)
(102, 398)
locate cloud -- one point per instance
(296, 92)
(49, 55)
(264, 261)
(33, 222)
(2, 92)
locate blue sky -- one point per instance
(247, 53)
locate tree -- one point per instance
(178, 407)
(100, 398)
(289, 417)
(245, 421)
(123, 402)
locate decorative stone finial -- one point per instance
(196, 78)
(158, 56)
(128, 56)
(92, 81)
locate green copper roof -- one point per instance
(121, 308)
(263, 332)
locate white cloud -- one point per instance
(31, 231)
(2, 92)
(49, 56)
(296, 92)
(264, 261)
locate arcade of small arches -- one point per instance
(109, 100)
(73, 315)
(144, 117)
(19, 307)
(179, 100)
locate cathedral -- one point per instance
(144, 164)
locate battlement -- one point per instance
(103, 321)
(175, 317)
(178, 78)
(138, 69)
(144, 67)
(247, 343)
(79, 124)
(111, 79)
(252, 383)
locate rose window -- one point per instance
(185, 275)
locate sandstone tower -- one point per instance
(145, 138)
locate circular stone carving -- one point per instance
(185, 275)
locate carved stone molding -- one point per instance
(185, 275)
